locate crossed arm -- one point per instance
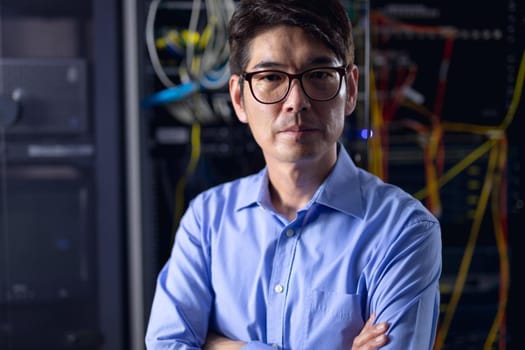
(372, 337)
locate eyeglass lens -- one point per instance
(272, 86)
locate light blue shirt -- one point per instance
(241, 269)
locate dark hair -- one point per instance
(326, 20)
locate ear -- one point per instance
(236, 97)
(352, 78)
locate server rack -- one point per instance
(61, 235)
(421, 67)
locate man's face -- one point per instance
(297, 128)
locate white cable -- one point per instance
(150, 45)
(190, 46)
(208, 56)
(216, 79)
(212, 71)
(224, 12)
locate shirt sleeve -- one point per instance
(404, 291)
(183, 294)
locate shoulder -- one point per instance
(231, 194)
(391, 201)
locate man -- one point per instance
(303, 253)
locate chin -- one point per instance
(298, 152)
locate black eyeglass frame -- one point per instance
(299, 76)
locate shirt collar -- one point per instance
(254, 190)
(340, 191)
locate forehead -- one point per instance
(289, 48)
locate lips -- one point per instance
(299, 128)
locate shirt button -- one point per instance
(290, 232)
(278, 288)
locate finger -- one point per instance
(371, 336)
(370, 320)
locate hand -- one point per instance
(217, 342)
(372, 337)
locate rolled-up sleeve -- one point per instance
(405, 291)
(183, 295)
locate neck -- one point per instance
(292, 185)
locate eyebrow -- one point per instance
(318, 60)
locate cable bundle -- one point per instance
(194, 59)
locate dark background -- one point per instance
(93, 181)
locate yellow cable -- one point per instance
(492, 131)
(375, 165)
(181, 184)
(469, 250)
(516, 96)
(195, 65)
(416, 107)
(511, 112)
(431, 172)
(207, 33)
(460, 166)
(502, 251)
(469, 128)
(501, 244)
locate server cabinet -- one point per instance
(62, 269)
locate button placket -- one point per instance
(281, 266)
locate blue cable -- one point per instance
(171, 94)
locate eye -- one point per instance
(270, 77)
(320, 74)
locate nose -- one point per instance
(296, 99)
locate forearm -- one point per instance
(217, 342)
(371, 337)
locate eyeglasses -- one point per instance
(272, 86)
